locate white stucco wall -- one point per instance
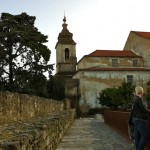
(92, 82)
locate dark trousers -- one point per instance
(140, 132)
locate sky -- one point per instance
(95, 24)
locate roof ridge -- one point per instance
(113, 53)
(142, 34)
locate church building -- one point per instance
(102, 68)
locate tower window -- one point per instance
(66, 53)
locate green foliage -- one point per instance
(110, 97)
(24, 55)
(126, 91)
(147, 94)
(114, 97)
(148, 83)
(148, 91)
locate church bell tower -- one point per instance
(65, 52)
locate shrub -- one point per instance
(117, 97)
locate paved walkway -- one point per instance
(93, 134)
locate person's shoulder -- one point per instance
(136, 98)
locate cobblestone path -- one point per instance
(93, 134)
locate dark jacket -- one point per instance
(139, 110)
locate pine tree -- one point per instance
(23, 55)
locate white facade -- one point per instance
(92, 82)
(106, 69)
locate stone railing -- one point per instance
(119, 121)
(22, 107)
(43, 133)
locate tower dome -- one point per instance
(65, 37)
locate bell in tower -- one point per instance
(65, 52)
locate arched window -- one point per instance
(66, 53)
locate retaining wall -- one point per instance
(22, 107)
(32, 123)
(42, 133)
(119, 121)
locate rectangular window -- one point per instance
(115, 63)
(130, 79)
(135, 63)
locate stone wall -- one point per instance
(42, 133)
(140, 45)
(32, 123)
(16, 107)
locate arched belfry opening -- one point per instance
(66, 53)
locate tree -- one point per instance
(110, 97)
(23, 54)
(114, 97)
(126, 91)
(147, 94)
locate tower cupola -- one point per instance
(65, 37)
(65, 51)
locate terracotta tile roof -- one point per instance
(142, 34)
(115, 69)
(113, 53)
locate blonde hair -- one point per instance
(138, 90)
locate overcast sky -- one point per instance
(95, 24)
